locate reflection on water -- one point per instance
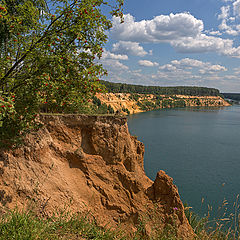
(198, 147)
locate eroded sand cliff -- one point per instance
(133, 102)
(93, 164)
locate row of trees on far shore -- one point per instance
(157, 90)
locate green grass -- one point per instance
(27, 225)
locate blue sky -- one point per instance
(176, 42)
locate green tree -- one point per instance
(47, 58)
(157, 90)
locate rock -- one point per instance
(93, 164)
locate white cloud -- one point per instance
(137, 73)
(182, 31)
(147, 63)
(108, 55)
(203, 43)
(188, 64)
(186, 71)
(160, 28)
(229, 15)
(232, 32)
(168, 68)
(236, 8)
(127, 47)
(225, 12)
(228, 29)
(214, 33)
(223, 25)
(232, 19)
(216, 68)
(113, 64)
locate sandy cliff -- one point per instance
(94, 164)
(135, 102)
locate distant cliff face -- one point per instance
(135, 103)
(95, 165)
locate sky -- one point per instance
(176, 43)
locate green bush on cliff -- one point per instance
(166, 103)
(146, 105)
(98, 108)
(179, 103)
(126, 110)
(134, 97)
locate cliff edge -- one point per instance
(94, 164)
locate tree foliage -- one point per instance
(157, 90)
(47, 58)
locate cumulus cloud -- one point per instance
(215, 33)
(227, 28)
(114, 64)
(168, 68)
(193, 72)
(160, 28)
(203, 43)
(182, 31)
(137, 73)
(147, 63)
(188, 64)
(232, 32)
(108, 55)
(127, 47)
(216, 68)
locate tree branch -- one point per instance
(21, 59)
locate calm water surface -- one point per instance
(199, 148)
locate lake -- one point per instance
(198, 147)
